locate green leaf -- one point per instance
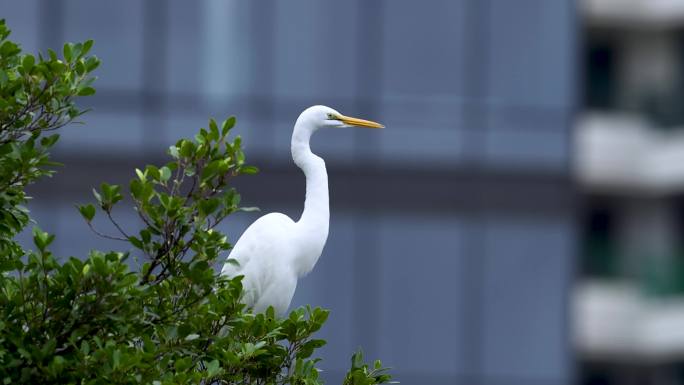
(208, 206)
(112, 192)
(87, 211)
(234, 262)
(8, 49)
(213, 130)
(174, 152)
(86, 91)
(49, 141)
(92, 63)
(67, 51)
(213, 368)
(136, 188)
(27, 62)
(42, 239)
(80, 68)
(164, 174)
(152, 172)
(183, 364)
(97, 196)
(87, 45)
(140, 175)
(52, 54)
(116, 359)
(227, 125)
(249, 170)
(307, 348)
(187, 148)
(136, 242)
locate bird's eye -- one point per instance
(331, 117)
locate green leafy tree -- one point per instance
(173, 320)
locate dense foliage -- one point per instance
(168, 320)
(36, 97)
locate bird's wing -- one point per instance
(259, 253)
(256, 241)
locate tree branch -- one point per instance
(105, 235)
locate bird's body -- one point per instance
(275, 251)
(268, 280)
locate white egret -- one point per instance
(275, 251)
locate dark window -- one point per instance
(599, 257)
(600, 73)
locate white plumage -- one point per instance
(275, 251)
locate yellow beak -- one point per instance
(359, 122)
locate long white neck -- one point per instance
(315, 219)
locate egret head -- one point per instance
(321, 116)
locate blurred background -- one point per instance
(520, 220)
(628, 297)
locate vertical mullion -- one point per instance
(154, 58)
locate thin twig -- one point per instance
(105, 235)
(111, 219)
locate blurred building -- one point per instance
(453, 238)
(629, 303)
